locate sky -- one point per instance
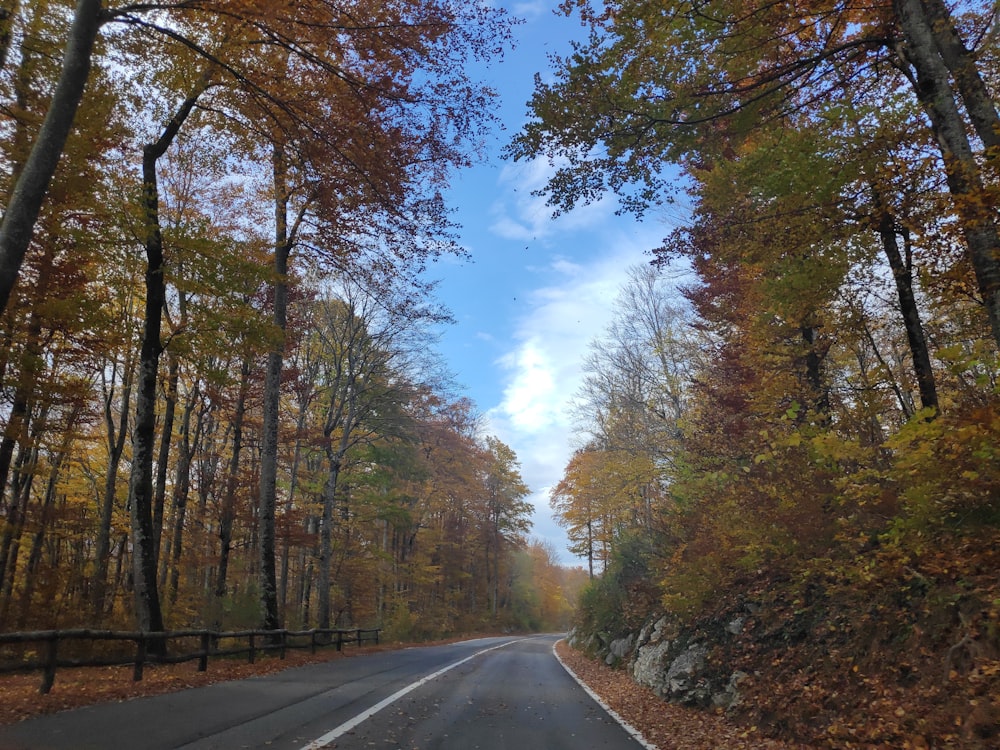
(537, 290)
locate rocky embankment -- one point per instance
(908, 662)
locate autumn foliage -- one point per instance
(217, 399)
(829, 475)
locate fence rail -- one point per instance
(152, 648)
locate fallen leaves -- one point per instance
(84, 686)
(666, 725)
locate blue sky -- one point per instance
(537, 290)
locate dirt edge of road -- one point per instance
(663, 725)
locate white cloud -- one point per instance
(530, 400)
(523, 216)
(529, 10)
(542, 368)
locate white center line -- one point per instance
(350, 724)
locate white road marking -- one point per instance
(636, 734)
(347, 726)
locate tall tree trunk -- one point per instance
(163, 458)
(342, 414)
(182, 485)
(228, 514)
(326, 544)
(24, 476)
(45, 518)
(270, 616)
(289, 505)
(933, 90)
(116, 445)
(18, 224)
(961, 63)
(819, 392)
(16, 430)
(20, 497)
(902, 274)
(147, 599)
(14, 517)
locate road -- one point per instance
(483, 694)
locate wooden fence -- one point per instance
(152, 648)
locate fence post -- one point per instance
(377, 631)
(203, 658)
(312, 642)
(284, 641)
(340, 639)
(251, 655)
(49, 675)
(359, 637)
(140, 657)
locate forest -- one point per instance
(219, 397)
(221, 405)
(792, 424)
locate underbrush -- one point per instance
(891, 648)
(896, 650)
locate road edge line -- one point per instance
(636, 734)
(347, 726)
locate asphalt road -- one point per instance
(484, 694)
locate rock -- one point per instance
(622, 647)
(730, 695)
(682, 676)
(735, 627)
(648, 669)
(661, 630)
(645, 633)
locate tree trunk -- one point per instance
(819, 392)
(977, 218)
(228, 514)
(961, 62)
(147, 600)
(326, 544)
(16, 430)
(902, 274)
(45, 518)
(342, 414)
(289, 504)
(163, 458)
(116, 446)
(182, 485)
(18, 224)
(20, 497)
(270, 616)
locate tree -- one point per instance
(144, 538)
(370, 174)
(364, 358)
(638, 104)
(636, 372)
(506, 513)
(18, 224)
